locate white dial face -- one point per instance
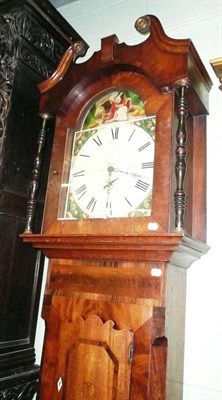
(112, 172)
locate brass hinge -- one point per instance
(130, 353)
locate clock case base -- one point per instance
(147, 301)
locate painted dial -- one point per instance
(112, 171)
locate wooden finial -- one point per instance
(142, 24)
(216, 64)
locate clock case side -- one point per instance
(155, 69)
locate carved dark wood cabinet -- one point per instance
(125, 216)
(33, 37)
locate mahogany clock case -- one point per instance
(114, 302)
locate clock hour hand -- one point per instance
(109, 184)
(110, 181)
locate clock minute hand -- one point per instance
(128, 173)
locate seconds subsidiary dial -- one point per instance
(111, 173)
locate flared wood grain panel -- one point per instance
(157, 386)
(89, 345)
(126, 282)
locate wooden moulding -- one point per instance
(156, 247)
(166, 72)
(106, 247)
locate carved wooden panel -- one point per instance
(33, 39)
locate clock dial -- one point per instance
(111, 171)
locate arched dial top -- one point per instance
(111, 161)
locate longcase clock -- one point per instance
(124, 216)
